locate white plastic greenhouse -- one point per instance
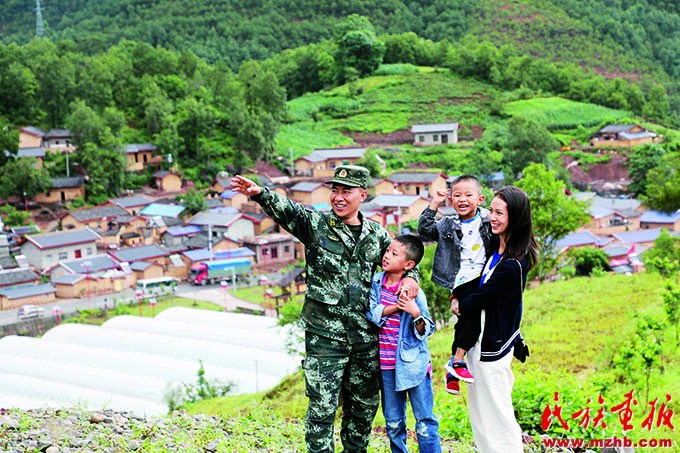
(129, 363)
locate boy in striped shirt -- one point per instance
(404, 355)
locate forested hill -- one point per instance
(615, 37)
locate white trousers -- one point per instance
(492, 416)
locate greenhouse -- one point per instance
(131, 363)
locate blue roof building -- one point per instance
(162, 210)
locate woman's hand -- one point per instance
(454, 307)
(245, 186)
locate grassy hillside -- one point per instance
(575, 330)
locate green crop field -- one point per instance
(560, 113)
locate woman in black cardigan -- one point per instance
(499, 298)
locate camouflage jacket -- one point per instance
(339, 270)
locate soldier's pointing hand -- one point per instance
(245, 186)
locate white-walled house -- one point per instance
(46, 250)
(435, 134)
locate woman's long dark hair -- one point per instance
(519, 236)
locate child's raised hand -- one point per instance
(438, 198)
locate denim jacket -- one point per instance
(413, 354)
(447, 232)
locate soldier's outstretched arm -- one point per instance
(292, 217)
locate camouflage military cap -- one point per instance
(351, 175)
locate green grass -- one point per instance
(560, 113)
(98, 316)
(573, 328)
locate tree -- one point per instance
(357, 46)
(194, 201)
(657, 106)
(20, 177)
(528, 142)
(642, 159)
(9, 142)
(371, 161)
(663, 185)
(13, 217)
(671, 305)
(554, 214)
(664, 256)
(586, 259)
(437, 296)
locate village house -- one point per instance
(13, 277)
(168, 181)
(321, 163)
(138, 155)
(99, 218)
(63, 189)
(131, 204)
(176, 238)
(58, 141)
(45, 250)
(640, 237)
(405, 207)
(74, 286)
(262, 223)
(435, 134)
(31, 137)
(309, 193)
(223, 225)
(162, 210)
(653, 219)
(12, 297)
(272, 251)
(233, 199)
(147, 269)
(623, 135)
(417, 183)
(96, 266)
(36, 153)
(605, 221)
(219, 185)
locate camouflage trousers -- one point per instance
(333, 368)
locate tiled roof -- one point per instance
(633, 237)
(597, 212)
(68, 279)
(204, 254)
(19, 292)
(140, 265)
(90, 264)
(138, 147)
(614, 203)
(162, 210)
(398, 201)
(228, 194)
(637, 135)
(578, 238)
(616, 128)
(58, 133)
(324, 154)
(84, 215)
(31, 152)
(62, 183)
(7, 262)
(213, 218)
(659, 217)
(16, 276)
(269, 238)
(213, 203)
(144, 252)
(304, 186)
(63, 238)
(434, 127)
(131, 202)
(183, 230)
(33, 131)
(225, 210)
(413, 177)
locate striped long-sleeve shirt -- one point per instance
(388, 334)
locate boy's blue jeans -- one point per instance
(394, 410)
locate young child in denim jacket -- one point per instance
(404, 355)
(463, 246)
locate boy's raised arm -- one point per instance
(427, 223)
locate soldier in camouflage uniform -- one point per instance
(342, 250)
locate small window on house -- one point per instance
(275, 252)
(404, 211)
(421, 138)
(63, 255)
(286, 249)
(332, 164)
(435, 138)
(48, 259)
(408, 186)
(89, 251)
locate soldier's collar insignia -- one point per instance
(332, 221)
(343, 173)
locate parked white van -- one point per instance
(30, 311)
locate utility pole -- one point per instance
(292, 167)
(39, 25)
